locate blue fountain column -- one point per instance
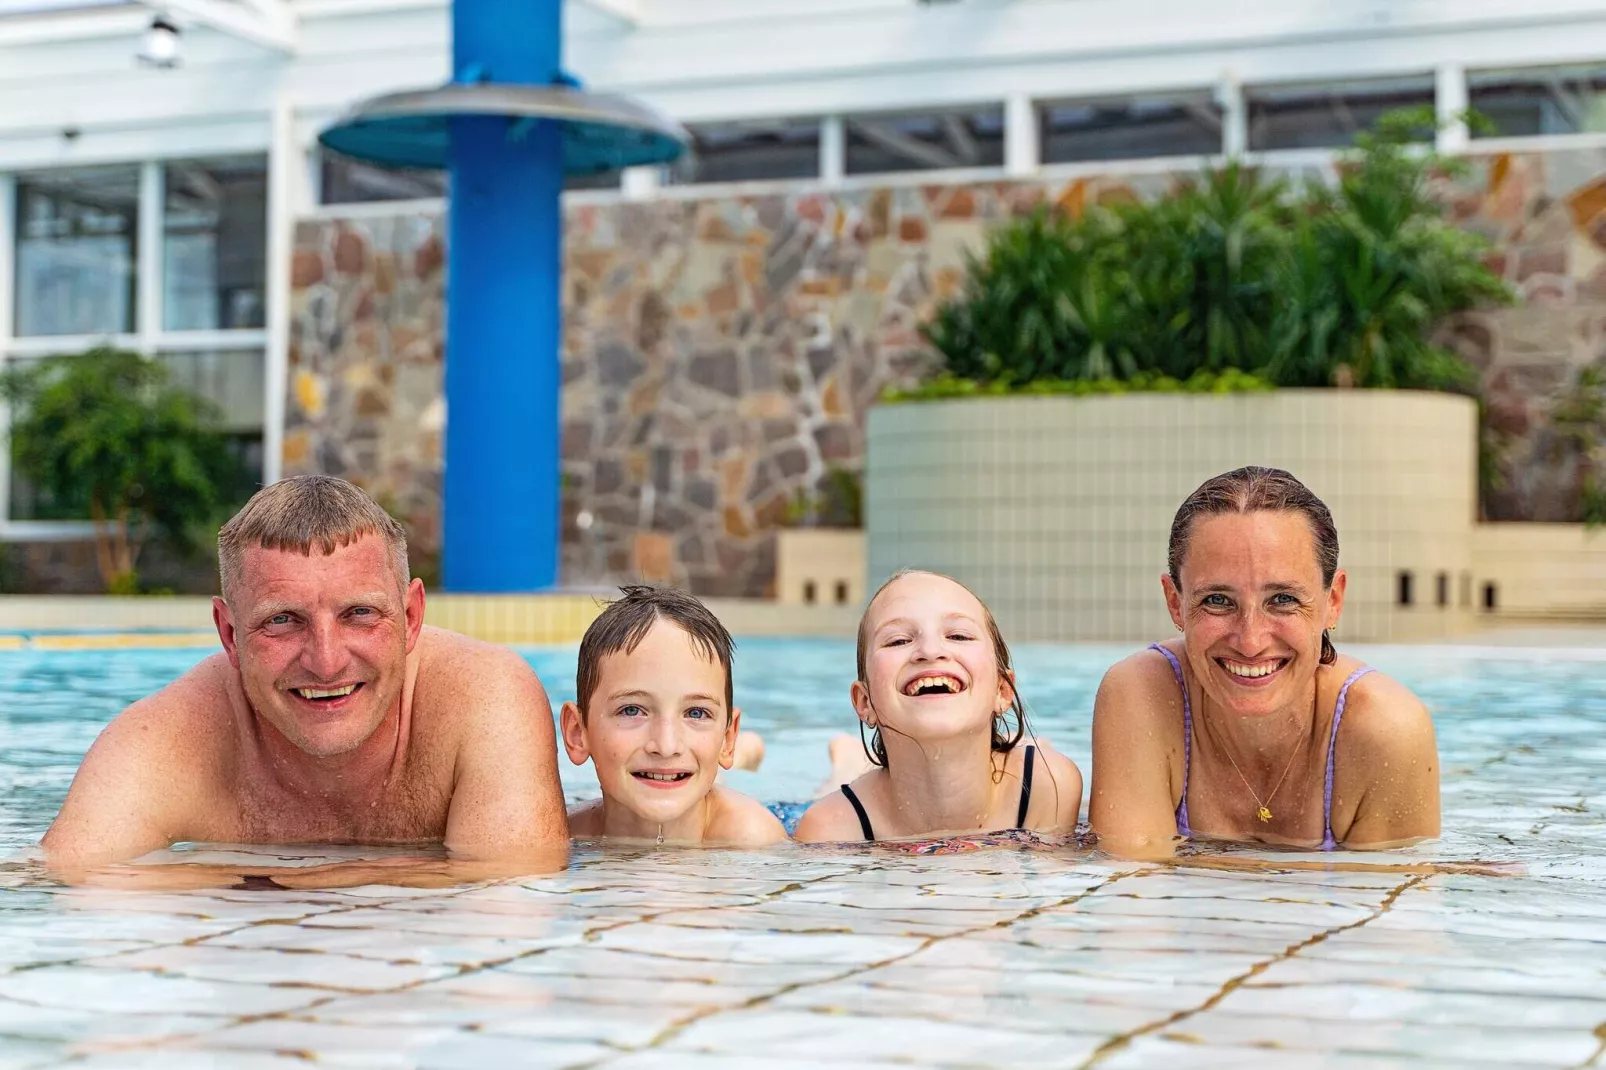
(504, 263)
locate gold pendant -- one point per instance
(1263, 813)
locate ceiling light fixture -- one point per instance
(161, 46)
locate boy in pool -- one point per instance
(653, 714)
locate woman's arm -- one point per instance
(1137, 736)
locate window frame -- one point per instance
(149, 336)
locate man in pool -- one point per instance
(332, 715)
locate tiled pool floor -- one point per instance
(800, 957)
(841, 957)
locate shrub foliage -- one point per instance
(106, 437)
(1298, 286)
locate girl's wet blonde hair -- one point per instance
(1004, 738)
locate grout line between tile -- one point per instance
(675, 1029)
(1232, 984)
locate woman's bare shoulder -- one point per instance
(1140, 686)
(1382, 716)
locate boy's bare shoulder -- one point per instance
(741, 820)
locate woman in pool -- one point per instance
(949, 740)
(1251, 726)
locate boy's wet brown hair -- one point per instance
(1004, 736)
(1254, 489)
(626, 622)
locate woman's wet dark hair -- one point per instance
(1004, 737)
(1254, 489)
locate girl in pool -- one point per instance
(948, 735)
(1250, 726)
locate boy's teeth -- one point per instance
(663, 776)
(313, 692)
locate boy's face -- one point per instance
(656, 729)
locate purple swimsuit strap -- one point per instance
(1187, 739)
(1329, 842)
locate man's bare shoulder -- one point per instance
(159, 772)
(473, 679)
(742, 820)
(184, 720)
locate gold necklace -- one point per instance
(1264, 809)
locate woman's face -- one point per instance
(1252, 608)
(931, 672)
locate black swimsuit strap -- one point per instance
(1026, 787)
(864, 818)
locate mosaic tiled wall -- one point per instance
(720, 355)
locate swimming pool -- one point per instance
(848, 956)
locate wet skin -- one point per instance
(933, 687)
(332, 715)
(657, 731)
(1252, 607)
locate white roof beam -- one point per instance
(268, 23)
(901, 144)
(627, 12)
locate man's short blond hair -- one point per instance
(303, 512)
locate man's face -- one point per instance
(656, 729)
(321, 641)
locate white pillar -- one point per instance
(641, 183)
(833, 151)
(8, 252)
(1023, 151)
(287, 162)
(1451, 100)
(1234, 117)
(148, 283)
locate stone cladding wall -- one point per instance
(720, 354)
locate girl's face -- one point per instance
(931, 672)
(1252, 609)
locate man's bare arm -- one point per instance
(506, 799)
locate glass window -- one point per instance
(76, 251)
(1538, 101)
(1330, 115)
(751, 151)
(230, 379)
(1130, 128)
(214, 251)
(926, 141)
(347, 181)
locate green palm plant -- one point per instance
(1316, 286)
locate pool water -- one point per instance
(852, 956)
